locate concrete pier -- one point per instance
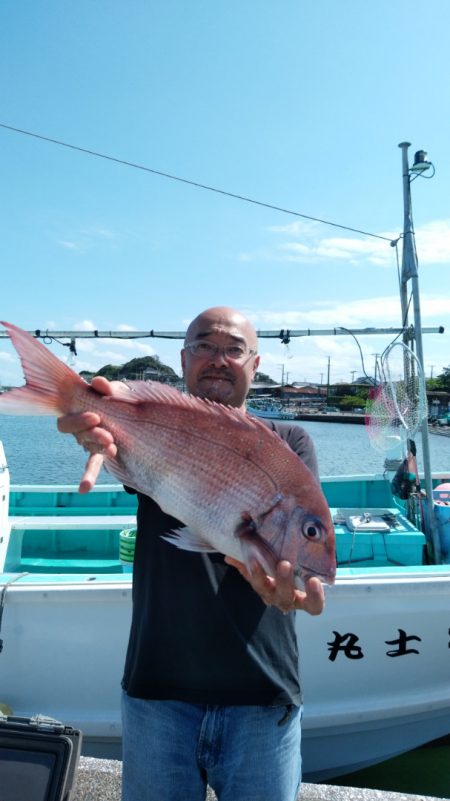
(99, 780)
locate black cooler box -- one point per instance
(38, 759)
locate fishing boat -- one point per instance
(269, 409)
(374, 666)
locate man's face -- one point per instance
(218, 377)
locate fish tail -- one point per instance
(49, 382)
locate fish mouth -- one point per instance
(304, 573)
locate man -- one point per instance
(211, 688)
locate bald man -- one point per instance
(211, 691)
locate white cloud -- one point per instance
(433, 242)
(87, 238)
(306, 357)
(362, 313)
(305, 242)
(98, 232)
(125, 327)
(85, 325)
(68, 245)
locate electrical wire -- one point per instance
(196, 184)
(374, 380)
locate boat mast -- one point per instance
(410, 272)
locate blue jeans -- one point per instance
(172, 750)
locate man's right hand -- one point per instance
(87, 430)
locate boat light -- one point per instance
(420, 162)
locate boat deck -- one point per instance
(56, 531)
(80, 544)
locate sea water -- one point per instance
(38, 454)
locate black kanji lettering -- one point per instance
(401, 642)
(347, 644)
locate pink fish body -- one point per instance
(235, 484)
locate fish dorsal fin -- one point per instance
(151, 391)
(218, 424)
(155, 392)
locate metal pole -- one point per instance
(47, 336)
(410, 272)
(375, 367)
(328, 379)
(407, 237)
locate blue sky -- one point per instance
(297, 103)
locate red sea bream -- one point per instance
(235, 484)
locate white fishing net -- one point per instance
(396, 407)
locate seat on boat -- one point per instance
(376, 537)
(66, 544)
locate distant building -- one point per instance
(152, 374)
(297, 394)
(303, 394)
(365, 381)
(260, 388)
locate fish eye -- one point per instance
(312, 530)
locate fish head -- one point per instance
(304, 537)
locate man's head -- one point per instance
(219, 375)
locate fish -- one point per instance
(237, 487)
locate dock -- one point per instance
(99, 780)
(331, 417)
(443, 431)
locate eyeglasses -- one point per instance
(208, 350)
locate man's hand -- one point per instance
(281, 591)
(87, 430)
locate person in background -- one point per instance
(211, 691)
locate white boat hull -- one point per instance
(370, 698)
(375, 666)
(64, 649)
(63, 654)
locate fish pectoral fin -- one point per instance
(189, 540)
(119, 471)
(254, 548)
(115, 467)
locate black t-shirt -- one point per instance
(199, 632)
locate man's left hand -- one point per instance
(281, 591)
